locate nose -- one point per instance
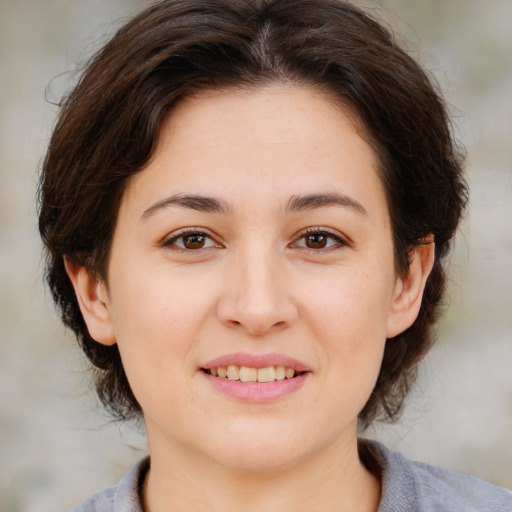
(257, 295)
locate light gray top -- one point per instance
(406, 487)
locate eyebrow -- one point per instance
(214, 205)
(193, 202)
(313, 201)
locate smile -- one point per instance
(256, 378)
(251, 374)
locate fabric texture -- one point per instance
(406, 487)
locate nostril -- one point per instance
(255, 327)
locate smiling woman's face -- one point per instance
(257, 237)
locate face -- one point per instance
(257, 242)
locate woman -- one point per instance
(246, 206)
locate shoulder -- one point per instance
(121, 497)
(417, 487)
(101, 502)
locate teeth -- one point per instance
(233, 372)
(248, 374)
(280, 372)
(289, 373)
(266, 374)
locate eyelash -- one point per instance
(326, 235)
(171, 242)
(338, 240)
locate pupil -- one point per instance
(316, 241)
(194, 241)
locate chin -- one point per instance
(260, 460)
(262, 448)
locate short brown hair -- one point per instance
(109, 124)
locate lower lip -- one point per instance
(257, 392)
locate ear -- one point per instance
(92, 296)
(409, 289)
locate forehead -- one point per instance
(281, 140)
(277, 112)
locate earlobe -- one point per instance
(92, 297)
(408, 293)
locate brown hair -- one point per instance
(108, 127)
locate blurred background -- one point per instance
(58, 447)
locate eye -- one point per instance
(190, 240)
(319, 239)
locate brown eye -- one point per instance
(316, 241)
(195, 241)
(190, 241)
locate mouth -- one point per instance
(256, 378)
(252, 374)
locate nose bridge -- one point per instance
(256, 295)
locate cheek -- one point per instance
(156, 319)
(351, 303)
(158, 303)
(349, 318)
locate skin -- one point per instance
(252, 281)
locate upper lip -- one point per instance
(257, 361)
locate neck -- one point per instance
(334, 481)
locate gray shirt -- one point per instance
(406, 487)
